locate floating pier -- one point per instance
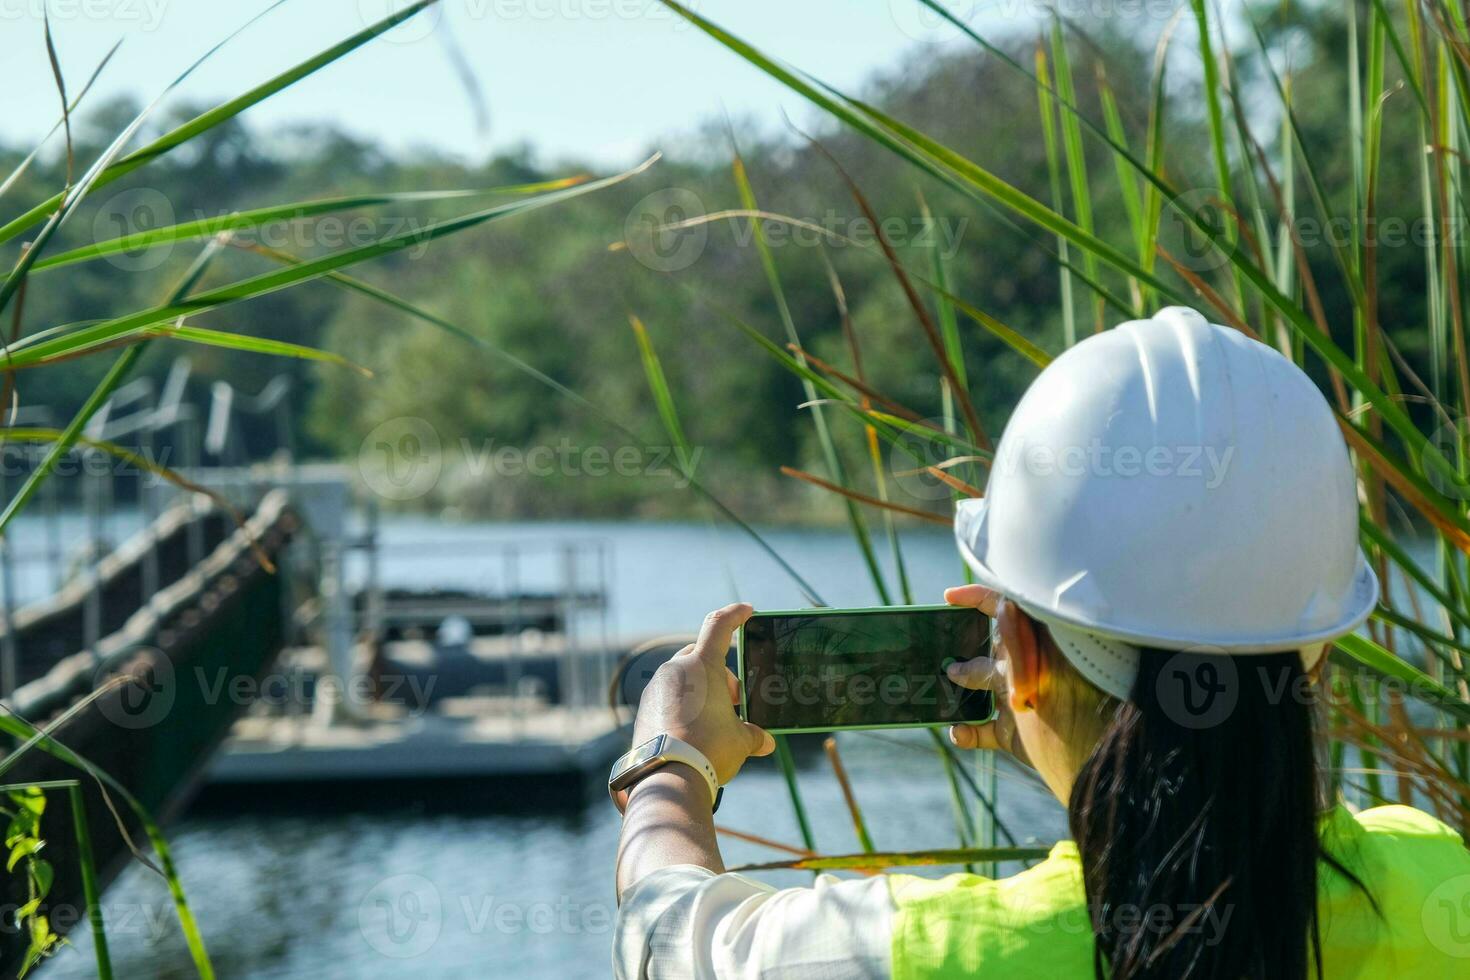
(494, 698)
(467, 752)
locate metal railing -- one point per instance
(517, 583)
(77, 520)
(84, 510)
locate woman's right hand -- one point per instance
(984, 674)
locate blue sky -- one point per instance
(600, 80)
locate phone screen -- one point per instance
(861, 669)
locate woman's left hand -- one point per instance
(693, 697)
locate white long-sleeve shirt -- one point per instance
(687, 923)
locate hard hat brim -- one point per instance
(970, 530)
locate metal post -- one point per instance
(569, 660)
(149, 505)
(984, 825)
(51, 501)
(605, 655)
(92, 607)
(9, 655)
(339, 630)
(106, 495)
(512, 574)
(374, 605)
(189, 437)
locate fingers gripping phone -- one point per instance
(822, 670)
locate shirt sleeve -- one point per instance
(687, 923)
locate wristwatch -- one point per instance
(658, 751)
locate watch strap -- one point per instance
(671, 749)
(678, 750)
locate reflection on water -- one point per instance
(486, 896)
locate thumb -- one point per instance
(984, 736)
(762, 742)
(978, 673)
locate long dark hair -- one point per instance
(1196, 817)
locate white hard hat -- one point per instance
(1174, 484)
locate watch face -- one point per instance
(635, 760)
(646, 752)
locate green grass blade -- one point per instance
(1410, 69)
(949, 327)
(870, 436)
(91, 894)
(1218, 151)
(252, 345)
(980, 183)
(1014, 340)
(819, 419)
(664, 400)
(962, 819)
(787, 765)
(881, 860)
(890, 427)
(383, 296)
(247, 220)
(999, 330)
(1150, 172)
(1352, 651)
(1073, 153)
(39, 735)
(658, 385)
(1153, 199)
(1245, 143)
(1431, 639)
(1309, 169)
(1127, 181)
(1054, 178)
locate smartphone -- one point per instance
(823, 670)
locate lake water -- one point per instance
(461, 896)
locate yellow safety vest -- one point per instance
(1035, 924)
